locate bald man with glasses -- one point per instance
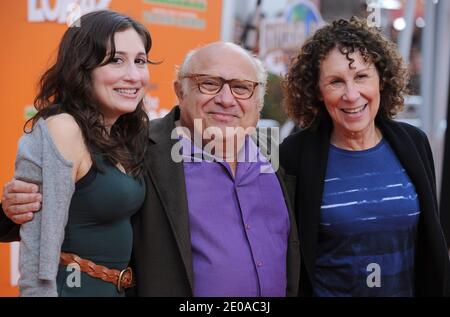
(217, 220)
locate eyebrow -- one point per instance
(367, 68)
(125, 53)
(356, 71)
(214, 76)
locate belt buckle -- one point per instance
(121, 277)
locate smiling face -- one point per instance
(351, 95)
(221, 110)
(119, 86)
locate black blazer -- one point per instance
(9, 231)
(162, 256)
(305, 155)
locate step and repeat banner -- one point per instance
(31, 31)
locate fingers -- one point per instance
(21, 219)
(15, 210)
(20, 199)
(21, 213)
(17, 186)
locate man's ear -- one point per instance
(178, 90)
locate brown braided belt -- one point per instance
(121, 279)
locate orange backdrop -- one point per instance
(29, 47)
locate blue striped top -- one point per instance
(368, 225)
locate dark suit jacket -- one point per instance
(9, 231)
(305, 155)
(162, 257)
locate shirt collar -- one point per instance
(192, 152)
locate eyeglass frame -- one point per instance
(223, 82)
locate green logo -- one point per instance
(200, 5)
(29, 112)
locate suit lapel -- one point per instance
(268, 145)
(404, 148)
(312, 168)
(168, 179)
(293, 260)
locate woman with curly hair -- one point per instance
(86, 150)
(366, 196)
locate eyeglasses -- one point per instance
(212, 85)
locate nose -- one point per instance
(132, 73)
(351, 93)
(225, 97)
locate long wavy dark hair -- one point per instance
(66, 87)
(301, 88)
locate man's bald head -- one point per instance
(211, 53)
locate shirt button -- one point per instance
(247, 226)
(259, 263)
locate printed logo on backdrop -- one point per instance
(200, 5)
(282, 37)
(152, 107)
(177, 13)
(73, 15)
(29, 111)
(63, 11)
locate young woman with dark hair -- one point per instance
(86, 150)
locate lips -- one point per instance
(354, 110)
(221, 116)
(127, 92)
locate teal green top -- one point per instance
(99, 227)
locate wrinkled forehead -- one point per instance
(227, 63)
(349, 55)
(337, 62)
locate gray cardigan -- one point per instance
(39, 161)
